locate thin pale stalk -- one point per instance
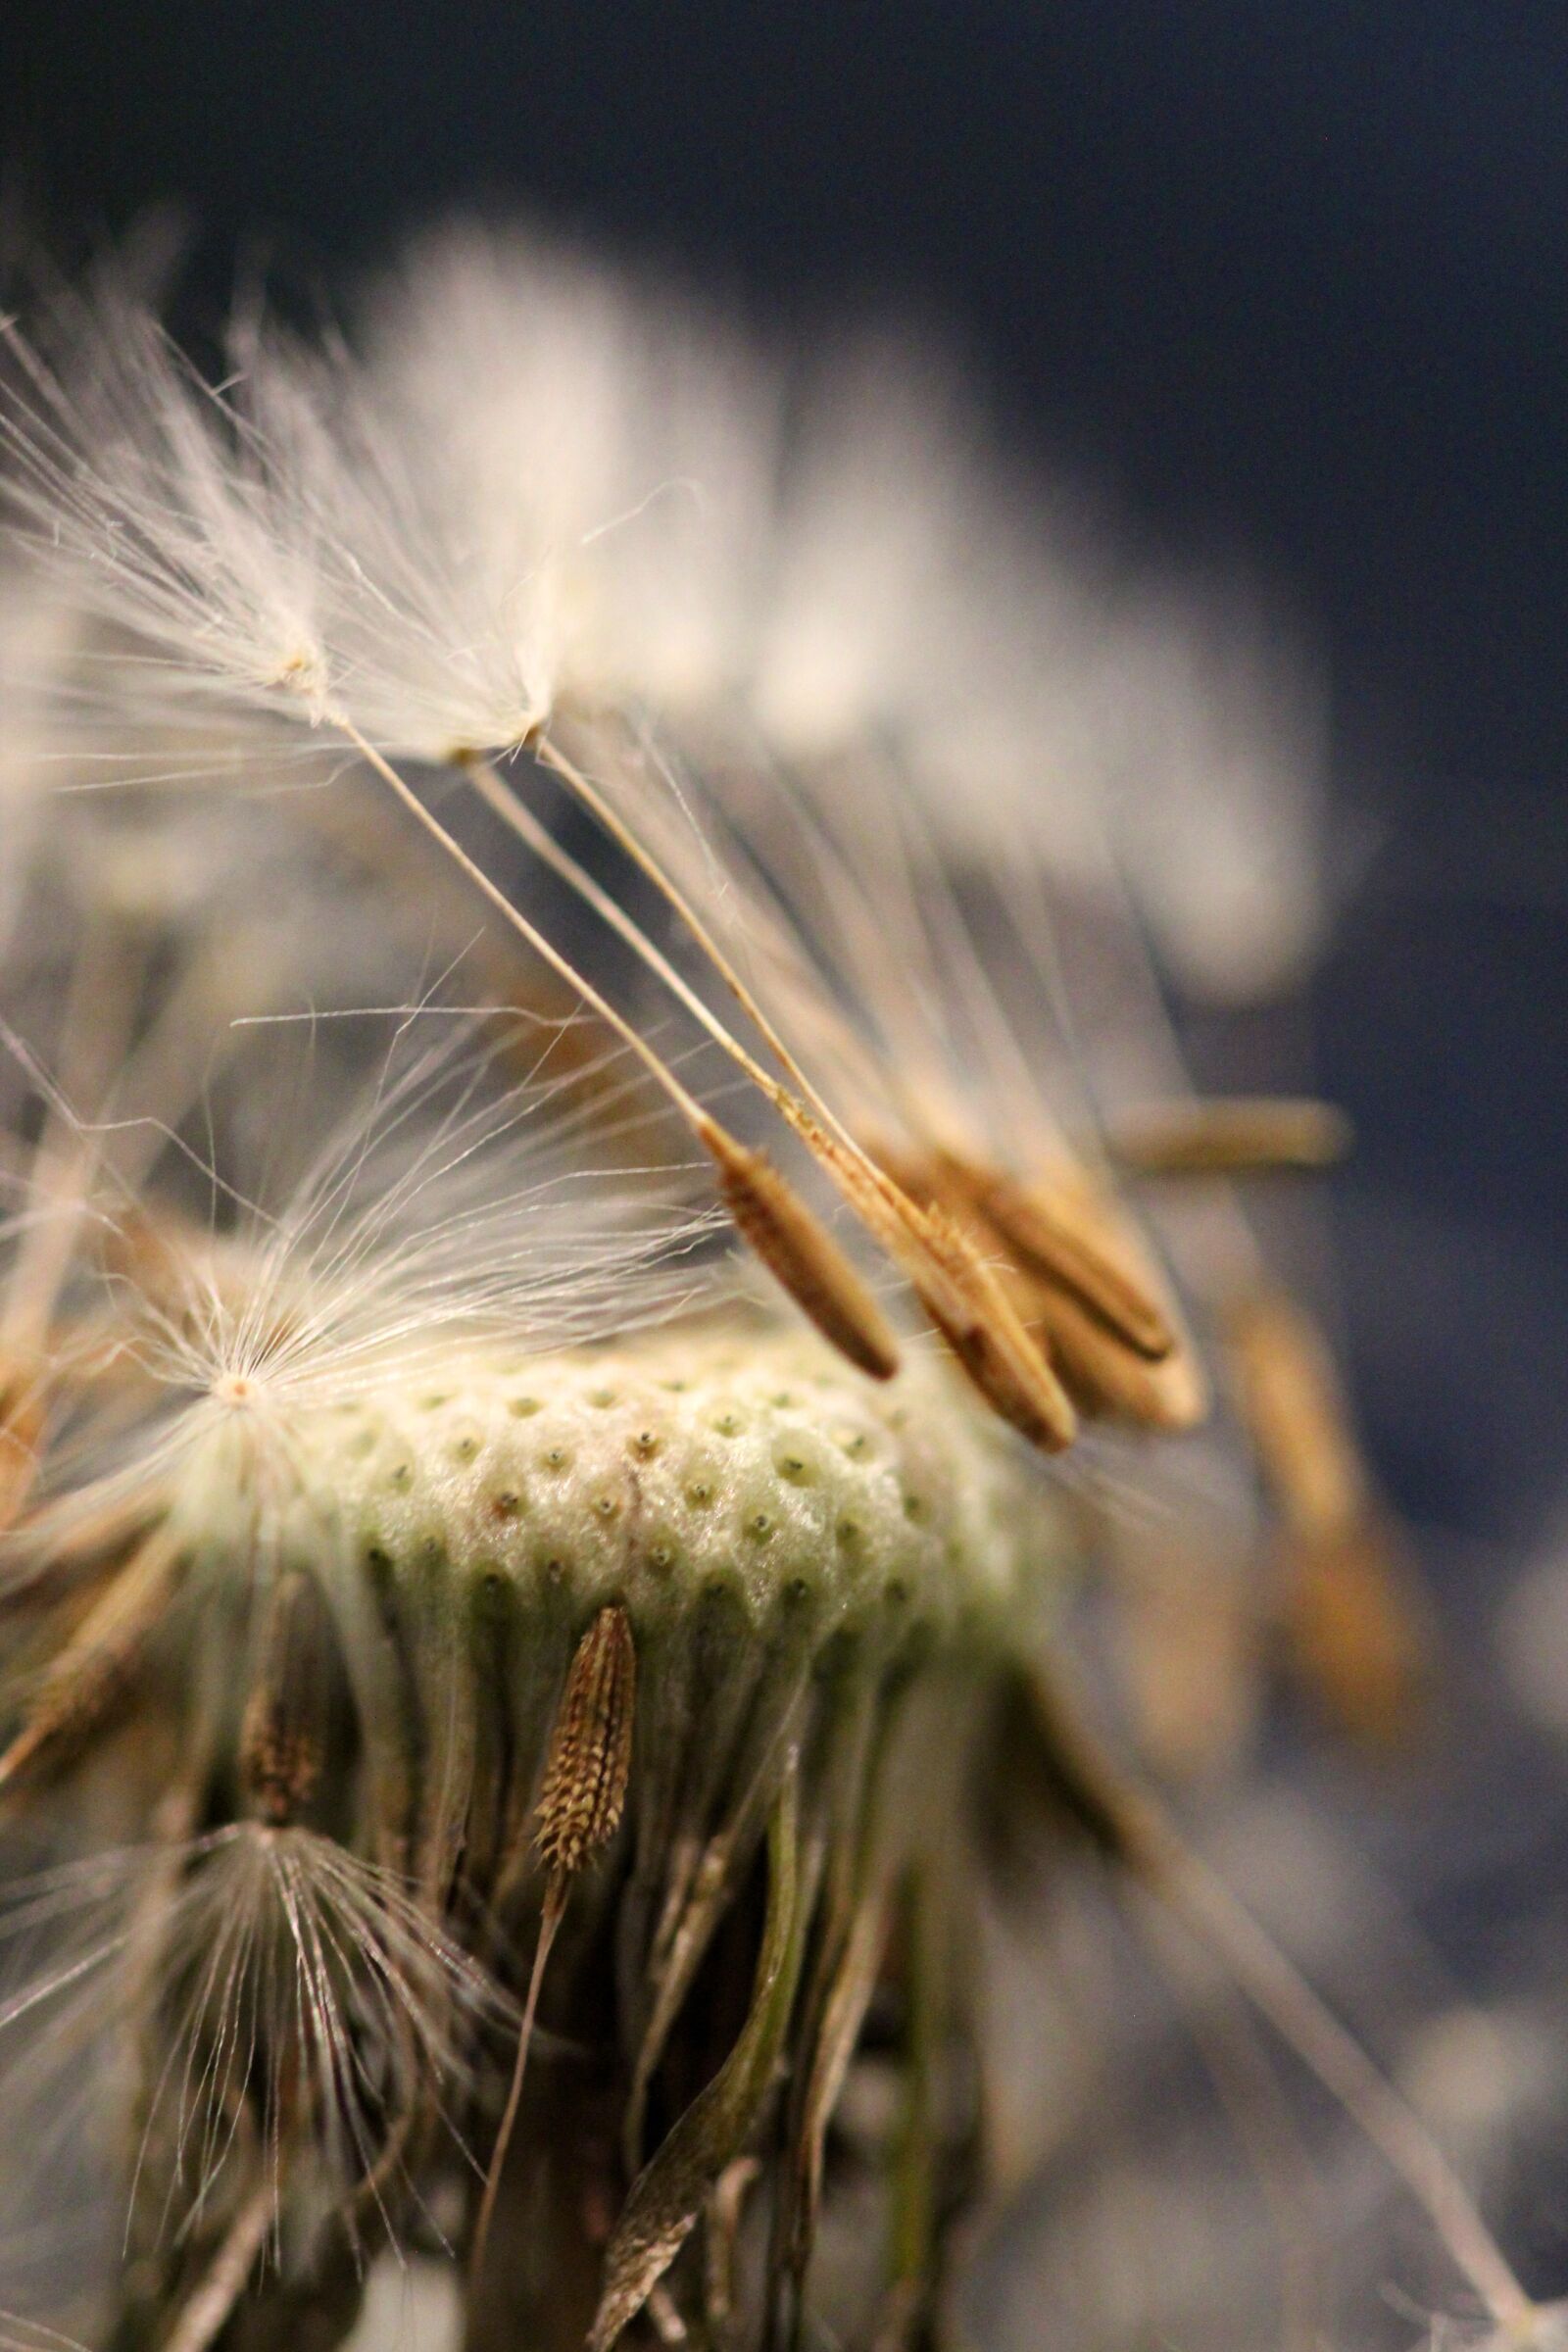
(98, 1022)
(592, 799)
(659, 1069)
(208, 2312)
(506, 803)
(798, 1108)
(554, 1907)
(803, 1281)
(1131, 1831)
(1282, 1995)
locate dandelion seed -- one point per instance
(1236, 1138)
(822, 1282)
(579, 1809)
(1351, 1609)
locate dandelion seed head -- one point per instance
(376, 1322)
(652, 1474)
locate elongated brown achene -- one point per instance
(580, 1802)
(1105, 1377)
(1073, 1281)
(1065, 1239)
(282, 1736)
(1291, 1400)
(585, 1785)
(1351, 1608)
(23, 1416)
(970, 1309)
(80, 1678)
(1244, 1135)
(775, 1223)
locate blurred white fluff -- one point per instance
(267, 542)
(1217, 744)
(281, 1945)
(453, 1203)
(617, 439)
(549, 488)
(441, 1205)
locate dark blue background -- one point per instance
(1292, 279)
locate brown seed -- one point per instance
(971, 1310)
(1290, 1397)
(580, 1801)
(1097, 1318)
(958, 1291)
(81, 1681)
(1068, 1239)
(23, 1413)
(1352, 1612)
(1359, 1634)
(1105, 1376)
(1187, 1627)
(589, 1761)
(774, 1221)
(966, 1298)
(1245, 1136)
